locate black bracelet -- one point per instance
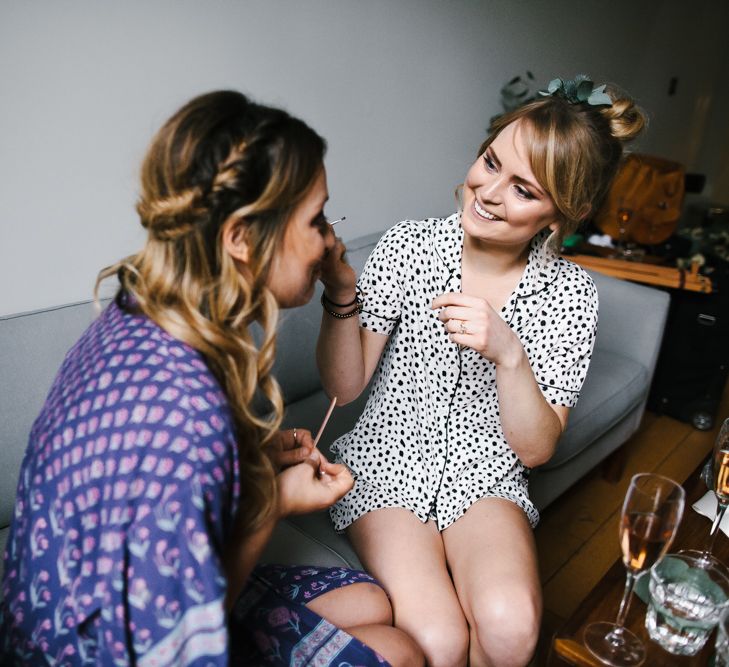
(339, 305)
(342, 316)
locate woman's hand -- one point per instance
(290, 447)
(337, 275)
(471, 321)
(312, 485)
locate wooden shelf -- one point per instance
(649, 274)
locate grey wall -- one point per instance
(402, 89)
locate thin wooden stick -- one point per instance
(321, 428)
(326, 419)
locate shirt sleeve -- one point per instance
(169, 611)
(561, 373)
(175, 583)
(381, 284)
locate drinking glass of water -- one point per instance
(687, 597)
(721, 658)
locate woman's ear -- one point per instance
(554, 226)
(234, 237)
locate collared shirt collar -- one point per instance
(448, 243)
(542, 266)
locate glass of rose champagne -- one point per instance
(651, 512)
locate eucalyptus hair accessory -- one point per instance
(578, 91)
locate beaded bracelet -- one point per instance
(342, 316)
(340, 305)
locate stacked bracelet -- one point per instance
(339, 305)
(357, 303)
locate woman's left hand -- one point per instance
(291, 447)
(471, 321)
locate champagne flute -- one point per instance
(721, 486)
(649, 519)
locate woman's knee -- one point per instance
(403, 650)
(443, 640)
(506, 624)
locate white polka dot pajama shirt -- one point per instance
(430, 439)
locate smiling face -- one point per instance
(503, 203)
(296, 265)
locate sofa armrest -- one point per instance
(631, 320)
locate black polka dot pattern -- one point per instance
(430, 439)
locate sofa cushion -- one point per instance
(34, 346)
(309, 540)
(614, 385)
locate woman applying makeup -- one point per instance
(477, 337)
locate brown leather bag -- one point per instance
(645, 200)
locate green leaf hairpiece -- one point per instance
(578, 91)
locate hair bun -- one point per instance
(626, 118)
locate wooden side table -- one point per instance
(602, 602)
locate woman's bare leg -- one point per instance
(492, 557)
(364, 611)
(408, 558)
(356, 604)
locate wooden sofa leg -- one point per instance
(612, 468)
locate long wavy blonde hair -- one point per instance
(220, 157)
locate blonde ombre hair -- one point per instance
(220, 158)
(574, 149)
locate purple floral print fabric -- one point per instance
(274, 627)
(126, 496)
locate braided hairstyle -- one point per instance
(222, 157)
(575, 150)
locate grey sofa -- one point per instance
(632, 317)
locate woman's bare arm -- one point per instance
(531, 425)
(346, 354)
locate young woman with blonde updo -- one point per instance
(150, 485)
(477, 336)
